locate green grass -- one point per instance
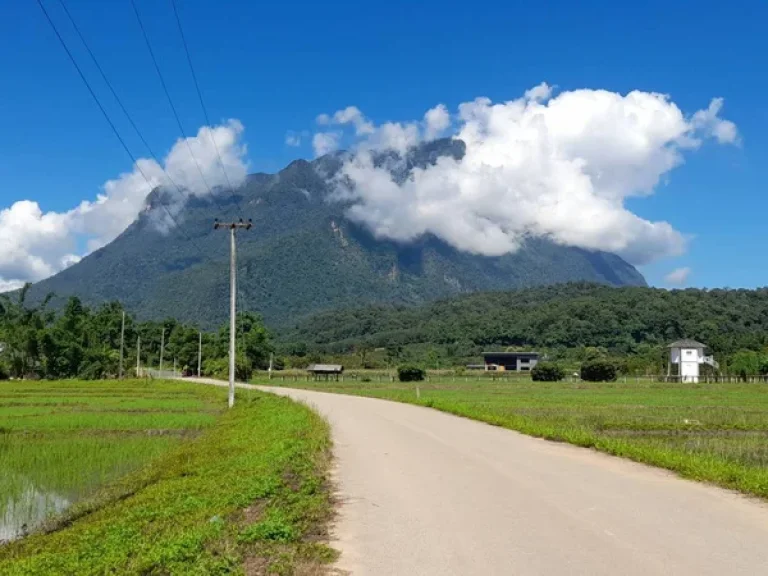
(716, 433)
(221, 492)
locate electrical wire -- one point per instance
(170, 102)
(109, 120)
(118, 100)
(202, 103)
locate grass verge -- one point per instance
(249, 495)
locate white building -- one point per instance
(688, 355)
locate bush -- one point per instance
(410, 374)
(5, 374)
(547, 372)
(598, 371)
(219, 368)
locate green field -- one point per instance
(712, 432)
(143, 477)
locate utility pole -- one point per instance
(162, 349)
(122, 345)
(199, 354)
(232, 227)
(174, 367)
(138, 357)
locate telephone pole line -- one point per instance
(138, 357)
(122, 346)
(199, 354)
(232, 227)
(162, 349)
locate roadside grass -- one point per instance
(716, 433)
(246, 492)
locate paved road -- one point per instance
(425, 493)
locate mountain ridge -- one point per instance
(303, 256)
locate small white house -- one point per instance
(688, 355)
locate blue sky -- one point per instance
(276, 66)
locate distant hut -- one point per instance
(325, 371)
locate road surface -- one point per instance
(426, 493)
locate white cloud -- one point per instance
(325, 142)
(37, 244)
(707, 120)
(436, 122)
(559, 167)
(678, 277)
(539, 93)
(7, 286)
(293, 139)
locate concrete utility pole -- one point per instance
(199, 354)
(232, 227)
(138, 357)
(122, 346)
(162, 349)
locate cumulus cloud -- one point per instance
(325, 142)
(436, 122)
(37, 244)
(551, 166)
(293, 139)
(8, 285)
(349, 115)
(678, 277)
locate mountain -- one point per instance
(302, 256)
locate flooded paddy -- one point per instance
(61, 442)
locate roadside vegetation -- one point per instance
(75, 341)
(149, 477)
(716, 433)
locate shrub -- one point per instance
(410, 374)
(547, 372)
(219, 368)
(598, 371)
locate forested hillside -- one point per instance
(563, 319)
(302, 256)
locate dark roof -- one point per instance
(687, 343)
(325, 368)
(510, 354)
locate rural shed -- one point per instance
(325, 370)
(512, 361)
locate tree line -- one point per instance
(82, 342)
(570, 323)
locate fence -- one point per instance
(446, 376)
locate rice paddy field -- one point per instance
(158, 477)
(60, 441)
(716, 433)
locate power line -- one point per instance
(202, 103)
(170, 102)
(107, 118)
(117, 98)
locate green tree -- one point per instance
(745, 363)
